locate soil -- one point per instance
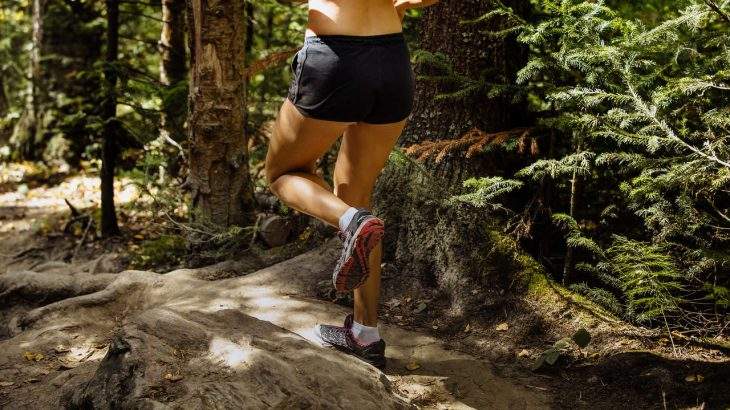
(79, 329)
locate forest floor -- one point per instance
(79, 328)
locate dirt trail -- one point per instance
(177, 339)
(83, 333)
(446, 378)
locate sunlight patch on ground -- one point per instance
(264, 303)
(234, 355)
(221, 304)
(81, 191)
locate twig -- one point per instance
(83, 238)
(644, 109)
(150, 43)
(722, 215)
(671, 339)
(74, 212)
(711, 4)
(143, 15)
(255, 231)
(175, 144)
(30, 250)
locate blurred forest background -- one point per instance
(593, 136)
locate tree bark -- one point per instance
(454, 248)
(4, 107)
(110, 146)
(172, 67)
(221, 188)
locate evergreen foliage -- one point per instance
(640, 112)
(649, 278)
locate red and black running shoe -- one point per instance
(358, 240)
(341, 338)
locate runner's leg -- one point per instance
(363, 154)
(296, 144)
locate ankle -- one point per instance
(365, 320)
(365, 335)
(346, 217)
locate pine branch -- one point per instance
(711, 4)
(641, 105)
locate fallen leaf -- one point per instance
(6, 384)
(33, 357)
(421, 307)
(551, 356)
(523, 353)
(413, 365)
(61, 349)
(435, 327)
(140, 237)
(66, 365)
(502, 327)
(173, 377)
(695, 378)
(467, 328)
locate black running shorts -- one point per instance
(353, 78)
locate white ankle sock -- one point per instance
(347, 217)
(365, 334)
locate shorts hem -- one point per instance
(316, 116)
(385, 122)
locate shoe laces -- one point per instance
(344, 235)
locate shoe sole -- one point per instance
(377, 361)
(354, 270)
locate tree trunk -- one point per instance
(110, 146)
(3, 97)
(4, 106)
(569, 263)
(219, 181)
(454, 248)
(172, 67)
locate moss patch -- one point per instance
(163, 251)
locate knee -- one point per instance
(275, 172)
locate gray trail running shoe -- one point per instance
(358, 240)
(341, 338)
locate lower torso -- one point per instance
(352, 17)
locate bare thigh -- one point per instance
(363, 154)
(298, 142)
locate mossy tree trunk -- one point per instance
(452, 247)
(219, 181)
